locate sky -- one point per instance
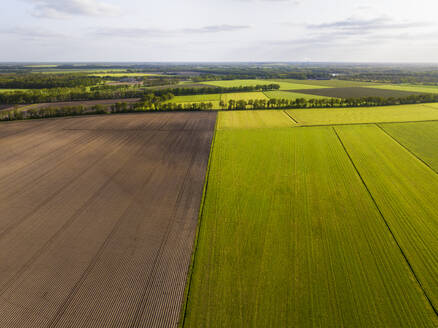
(219, 30)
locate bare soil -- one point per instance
(98, 217)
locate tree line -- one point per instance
(46, 81)
(113, 92)
(153, 102)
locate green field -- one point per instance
(196, 98)
(421, 138)
(12, 90)
(291, 95)
(243, 96)
(41, 66)
(290, 237)
(409, 87)
(327, 116)
(406, 191)
(328, 83)
(123, 74)
(239, 83)
(77, 70)
(253, 119)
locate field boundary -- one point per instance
(290, 116)
(404, 147)
(198, 229)
(386, 223)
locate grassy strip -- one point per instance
(195, 244)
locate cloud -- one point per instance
(63, 8)
(31, 33)
(150, 32)
(365, 25)
(294, 2)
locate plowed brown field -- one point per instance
(98, 217)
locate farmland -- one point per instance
(358, 92)
(196, 98)
(122, 74)
(12, 90)
(410, 88)
(303, 205)
(243, 96)
(291, 95)
(403, 113)
(254, 119)
(421, 138)
(98, 216)
(405, 191)
(239, 83)
(329, 83)
(290, 237)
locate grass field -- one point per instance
(329, 116)
(359, 92)
(243, 96)
(329, 83)
(196, 98)
(12, 90)
(253, 119)
(123, 74)
(239, 83)
(421, 138)
(77, 70)
(406, 191)
(291, 95)
(409, 88)
(42, 66)
(290, 237)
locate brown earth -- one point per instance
(98, 217)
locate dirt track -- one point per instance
(97, 218)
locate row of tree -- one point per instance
(113, 92)
(160, 103)
(46, 81)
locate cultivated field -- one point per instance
(359, 92)
(239, 83)
(254, 119)
(405, 190)
(127, 74)
(98, 217)
(12, 90)
(291, 236)
(291, 95)
(330, 83)
(421, 138)
(328, 116)
(196, 98)
(410, 88)
(226, 97)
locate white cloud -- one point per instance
(151, 32)
(63, 8)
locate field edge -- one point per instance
(185, 299)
